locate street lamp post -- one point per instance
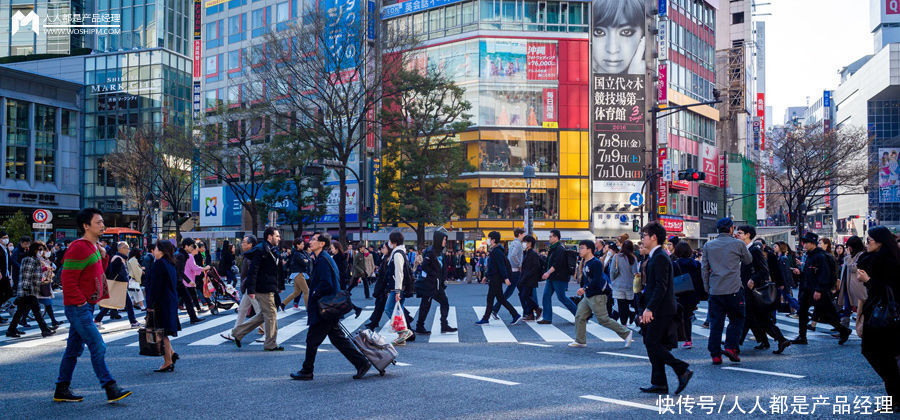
(359, 216)
(528, 174)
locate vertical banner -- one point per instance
(662, 86)
(761, 195)
(195, 102)
(197, 58)
(618, 89)
(663, 192)
(761, 114)
(198, 10)
(550, 107)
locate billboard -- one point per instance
(343, 29)
(618, 89)
(541, 61)
(888, 175)
(503, 59)
(219, 207)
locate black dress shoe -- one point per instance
(799, 340)
(810, 327)
(683, 380)
(47, 333)
(175, 357)
(279, 348)
(170, 368)
(370, 326)
(762, 346)
(197, 320)
(302, 376)
(655, 389)
(448, 329)
(845, 335)
(362, 370)
(781, 346)
(422, 331)
(412, 337)
(14, 334)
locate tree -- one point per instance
(232, 151)
(17, 227)
(173, 157)
(321, 78)
(135, 167)
(296, 179)
(808, 160)
(422, 156)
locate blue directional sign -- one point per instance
(636, 199)
(623, 218)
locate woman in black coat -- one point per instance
(688, 300)
(343, 263)
(163, 300)
(878, 269)
(226, 262)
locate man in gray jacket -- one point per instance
(514, 255)
(721, 271)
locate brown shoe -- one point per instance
(544, 322)
(538, 312)
(527, 318)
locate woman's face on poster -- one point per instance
(615, 49)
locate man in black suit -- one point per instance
(6, 286)
(659, 313)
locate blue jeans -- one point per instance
(721, 306)
(83, 331)
(389, 308)
(792, 301)
(513, 285)
(558, 287)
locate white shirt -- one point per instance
(399, 264)
(653, 251)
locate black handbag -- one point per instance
(151, 338)
(767, 295)
(335, 306)
(885, 313)
(682, 283)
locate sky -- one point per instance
(807, 42)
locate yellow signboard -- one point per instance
(211, 3)
(551, 124)
(663, 210)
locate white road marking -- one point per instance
(289, 331)
(388, 332)
(764, 372)
(436, 335)
(351, 323)
(205, 325)
(482, 378)
(621, 402)
(301, 346)
(633, 356)
(535, 344)
(495, 331)
(549, 333)
(603, 333)
(402, 364)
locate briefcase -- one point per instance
(151, 338)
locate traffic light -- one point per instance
(635, 224)
(691, 175)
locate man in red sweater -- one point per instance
(83, 286)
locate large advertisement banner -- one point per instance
(618, 104)
(503, 60)
(888, 175)
(542, 61)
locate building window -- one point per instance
(509, 203)
(283, 11)
(737, 18)
(17, 139)
(514, 155)
(260, 21)
(45, 143)
(236, 27)
(68, 124)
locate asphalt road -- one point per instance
(499, 371)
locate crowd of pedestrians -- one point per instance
(651, 287)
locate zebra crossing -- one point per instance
(292, 328)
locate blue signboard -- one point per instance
(636, 199)
(344, 18)
(826, 99)
(663, 8)
(370, 21)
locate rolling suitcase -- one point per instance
(376, 348)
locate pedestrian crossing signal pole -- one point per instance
(528, 174)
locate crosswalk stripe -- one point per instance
(780, 325)
(289, 331)
(61, 336)
(132, 332)
(593, 328)
(279, 315)
(351, 323)
(388, 332)
(437, 336)
(495, 331)
(549, 333)
(198, 327)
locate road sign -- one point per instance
(667, 170)
(42, 216)
(636, 199)
(623, 218)
(42, 226)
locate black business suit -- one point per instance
(660, 298)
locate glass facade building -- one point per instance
(27, 41)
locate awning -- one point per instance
(566, 235)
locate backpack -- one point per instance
(409, 279)
(571, 261)
(833, 265)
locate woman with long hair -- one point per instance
(343, 263)
(226, 262)
(622, 269)
(878, 270)
(850, 291)
(689, 299)
(787, 261)
(618, 37)
(162, 300)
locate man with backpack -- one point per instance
(498, 272)
(399, 271)
(560, 265)
(594, 284)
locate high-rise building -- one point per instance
(525, 68)
(137, 73)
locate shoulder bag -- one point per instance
(885, 313)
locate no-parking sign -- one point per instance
(42, 216)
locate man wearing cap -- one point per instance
(721, 271)
(815, 290)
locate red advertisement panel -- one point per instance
(663, 191)
(671, 224)
(550, 104)
(662, 86)
(761, 113)
(710, 156)
(892, 7)
(541, 61)
(197, 58)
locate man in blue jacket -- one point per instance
(324, 282)
(497, 274)
(594, 285)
